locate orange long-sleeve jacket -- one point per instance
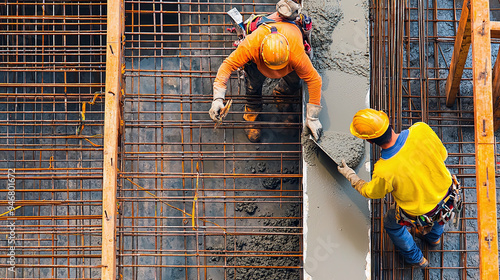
(248, 50)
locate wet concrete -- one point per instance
(342, 146)
(336, 217)
(337, 146)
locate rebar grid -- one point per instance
(412, 45)
(199, 202)
(51, 69)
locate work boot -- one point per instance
(432, 244)
(423, 263)
(251, 115)
(283, 105)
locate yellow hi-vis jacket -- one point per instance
(416, 175)
(248, 50)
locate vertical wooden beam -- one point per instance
(496, 93)
(460, 51)
(495, 31)
(484, 140)
(114, 59)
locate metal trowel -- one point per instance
(223, 113)
(341, 146)
(323, 149)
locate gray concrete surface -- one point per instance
(339, 146)
(336, 217)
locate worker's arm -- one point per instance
(306, 71)
(375, 189)
(238, 58)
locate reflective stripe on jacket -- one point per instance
(248, 50)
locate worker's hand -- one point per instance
(312, 120)
(218, 103)
(351, 176)
(214, 112)
(345, 170)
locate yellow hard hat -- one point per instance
(369, 124)
(275, 50)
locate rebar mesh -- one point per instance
(412, 45)
(52, 64)
(200, 202)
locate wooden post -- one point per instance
(496, 93)
(115, 26)
(459, 57)
(484, 140)
(495, 33)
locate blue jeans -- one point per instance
(403, 240)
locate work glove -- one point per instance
(351, 176)
(218, 103)
(312, 120)
(288, 9)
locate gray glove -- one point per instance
(348, 173)
(312, 120)
(351, 176)
(218, 103)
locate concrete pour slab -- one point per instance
(342, 146)
(336, 217)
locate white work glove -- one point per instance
(288, 9)
(312, 120)
(218, 103)
(350, 175)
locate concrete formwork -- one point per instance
(337, 218)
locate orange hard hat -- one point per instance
(275, 50)
(369, 124)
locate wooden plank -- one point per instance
(114, 59)
(484, 140)
(496, 93)
(495, 29)
(495, 33)
(460, 51)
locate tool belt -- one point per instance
(447, 209)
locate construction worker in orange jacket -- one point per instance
(274, 50)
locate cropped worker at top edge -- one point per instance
(249, 50)
(274, 50)
(412, 169)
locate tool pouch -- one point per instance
(448, 209)
(421, 227)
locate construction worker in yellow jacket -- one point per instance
(412, 169)
(274, 50)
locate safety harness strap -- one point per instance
(305, 26)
